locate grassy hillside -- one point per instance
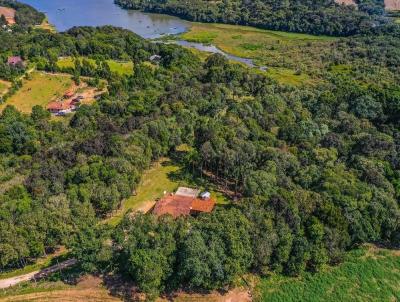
(369, 274)
(4, 85)
(122, 68)
(39, 89)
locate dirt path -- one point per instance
(70, 295)
(5, 283)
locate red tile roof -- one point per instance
(178, 205)
(58, 106)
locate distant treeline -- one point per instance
(314, 17)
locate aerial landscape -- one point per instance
(200, 150)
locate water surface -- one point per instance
(64, 14)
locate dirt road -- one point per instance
(5, 283)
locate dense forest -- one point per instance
(324, 17)
(316, 167)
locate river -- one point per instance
(64, 14)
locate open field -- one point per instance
(92, 289)
(4, 85)
(152, 186)
(88, 289)
(283, 53)
(122, 68)
(39, 89)
(368, 274)
(346, 2)
(46, 26)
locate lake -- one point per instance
(64, 14)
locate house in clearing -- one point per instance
(60, 107)
(184, 202)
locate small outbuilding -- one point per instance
(155, 58)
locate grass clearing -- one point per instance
(119, 67)
(164, 175)
(283, 53)
(4, 85)
(39, 89)
(152, 186)
(368, 274)
(46, 25)
(88, 289)
(288, 76)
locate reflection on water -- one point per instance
(64, 14)
(214, 49)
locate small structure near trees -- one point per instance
(184, 202)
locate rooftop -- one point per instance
(184, 202)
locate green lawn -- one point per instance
(39, 89)
(368, 274)
(283, 53)
(122, 68)
(4, 86)
(152, 186)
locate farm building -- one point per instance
(8, 13)
(59, 107)
(183, 203)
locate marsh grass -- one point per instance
(367, 274)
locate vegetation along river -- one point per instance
(64, 14)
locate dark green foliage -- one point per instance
(314, 168)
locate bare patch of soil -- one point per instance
(346, 2)
(392, 4)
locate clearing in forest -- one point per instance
(163, 176)
(4, 85)
(154, 182)
(282, 53)
(346, 2)
(367, 274)
(39, 89)
(119, 67)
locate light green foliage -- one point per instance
(366, 275)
